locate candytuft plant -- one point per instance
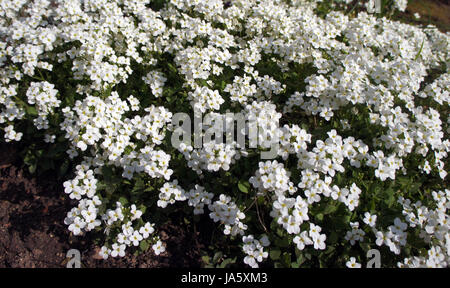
(354, 106)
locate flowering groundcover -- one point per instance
(352, 105)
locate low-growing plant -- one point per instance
(355, 104)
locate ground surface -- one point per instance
(32, 232)
(436, 12)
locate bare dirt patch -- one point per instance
(33, 235)
(435, 12)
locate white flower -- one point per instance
(146, 230)
(319, 242)
(251, 261)
(302, 240)
(136, 213)
(118, 250)
(370, 219)
(136, 238)
(158, 247)
(77, 226)
(352, 263)
(104, 252)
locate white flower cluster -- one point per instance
(11, 134)
(314, 187)
(352, 263)
(84, 183)
(155, 80)
(254, 249)
(129, 236)
(290, 213)
(394, 237)
(43, 96)
(84, 217)
(198, 198)
(268, 85)
(366, 69)
(226, 211)
(272, 177)
(211, 157)
(170, 193)
(401, 4)
(437, 90)
(434, 229)
(241, 89)
(263, 121)
(327, 157)
(102, 126)
(311, 237)
(356, 234)
(203, 99)
(293, 140)
(10, 111)
(222, 210)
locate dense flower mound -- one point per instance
(356, 104)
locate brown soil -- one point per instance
(436, 12)
(32, 232)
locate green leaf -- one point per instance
(331, 207)
(107, 173)
(226, 262)
(280, 232)
(286, 259)
(243, 186)
(217, 257)
(64, 167)
(300, 258)
(319, 216)
(420, 50)
(372, 205)
(389, 197)
(172, 68)
(223, 84)
(123, 201)
(144, 245)
(138, 185)
(415, 187)
(403, 181)
(205, 259)
(31, 110)
(274, 254)
(282, 242)
(342, 222)
(329, 250)
(149, 189)
(333, 238)
(32, 168)
(142, 208)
